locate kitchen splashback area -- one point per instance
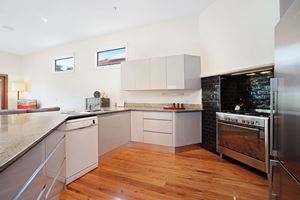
(245, 92)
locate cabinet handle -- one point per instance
(273, 106)
(41, 193)
(55, 178)
(272, 196)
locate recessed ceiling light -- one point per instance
(8, 28)
(44, 19)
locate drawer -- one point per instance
(39, 183)
(158, 115)
(158, 138)
(55, 161)
(52, 140)
(161, 126)
(36, 189)
(15, 176)
(56, 185)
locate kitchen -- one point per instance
(158, 131)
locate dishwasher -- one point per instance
(81, 147)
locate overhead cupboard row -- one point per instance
(162, 73)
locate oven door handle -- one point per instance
(243, 127)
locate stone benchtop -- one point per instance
(20, 132)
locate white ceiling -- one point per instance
(23, 30)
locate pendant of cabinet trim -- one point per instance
(162, 73)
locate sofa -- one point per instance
(21, 111)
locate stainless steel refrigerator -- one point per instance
(285, 106)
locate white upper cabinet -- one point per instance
(128, 75)
(142, 71)
(158, 73)
(175, 72)
(162, 73)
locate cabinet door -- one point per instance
(175, 72)
(128, 75)
(158, 73)
(142, 71)
(137, 134)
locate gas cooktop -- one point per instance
(250, 113)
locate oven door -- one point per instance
(244, 139)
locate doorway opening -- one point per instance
(4, 91)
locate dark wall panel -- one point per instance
(211, 105)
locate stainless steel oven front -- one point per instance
(244, 138)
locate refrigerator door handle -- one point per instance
(273, 106)
(272, 196)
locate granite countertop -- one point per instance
(20, 132)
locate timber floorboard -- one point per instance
(196, 174)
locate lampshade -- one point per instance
(18, 86)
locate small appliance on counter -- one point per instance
(97, 102)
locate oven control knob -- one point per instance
(247, 121)
(252, 122)
(243, 121)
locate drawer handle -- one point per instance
(41, 193)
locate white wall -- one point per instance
(69, 90)
(10, 65)
(236, 34)
(229, 35)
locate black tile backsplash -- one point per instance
(211, 104)
(252, 92)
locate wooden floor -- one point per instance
(196, 174)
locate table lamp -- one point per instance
(18, 87)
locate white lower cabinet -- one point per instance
(166, 128)
(114, 131)
(137, 126)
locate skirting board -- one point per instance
(163, 149)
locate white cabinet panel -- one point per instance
(158, 115)
(175, 72)
(128, 75)
(158, 73)
(187, 128)
(137, 127)
(158, 138)
(114, 131)
(161, 126)
(142, 71)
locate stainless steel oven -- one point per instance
(244, 138)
